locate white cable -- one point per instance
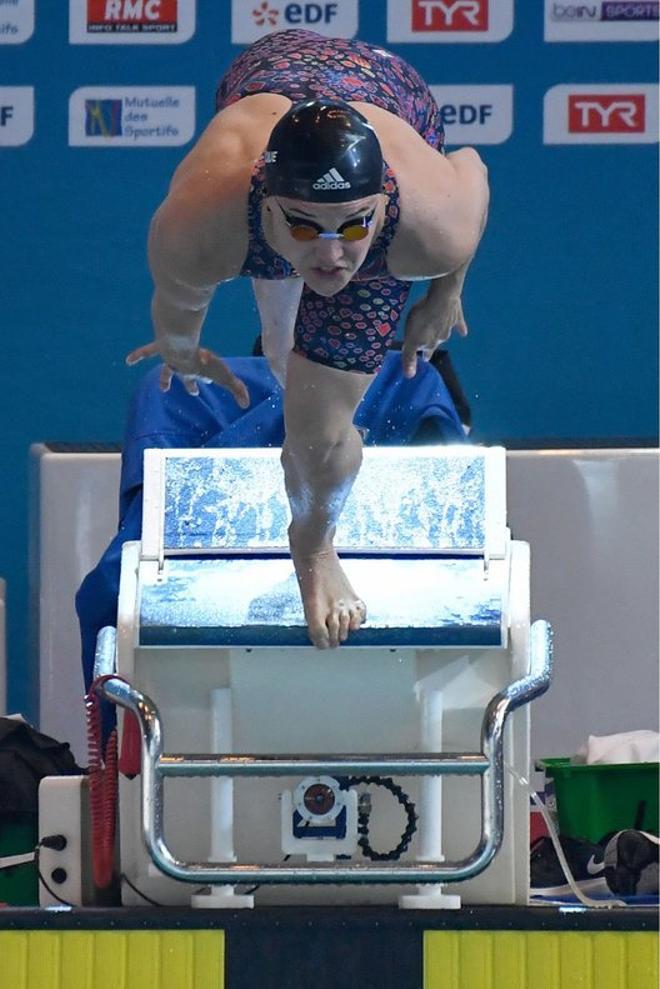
(554, 838)
(9, 861)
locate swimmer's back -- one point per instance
(303, 65)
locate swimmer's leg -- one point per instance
(321, 456)
(277, 302)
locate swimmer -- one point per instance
(322, 178)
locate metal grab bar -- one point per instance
(489, 764)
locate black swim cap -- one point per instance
(323, 151)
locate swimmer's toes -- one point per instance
(344, 624)
(319, 634)
(358, 616)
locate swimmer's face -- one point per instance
(327, 265)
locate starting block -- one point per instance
(214, 659)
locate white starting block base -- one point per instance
(210, 629)
(300, 700)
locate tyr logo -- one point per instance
(450, 15)
(612, 114)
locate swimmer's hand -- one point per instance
(191, 364)
(430, 322)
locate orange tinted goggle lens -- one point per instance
(303, 232)
(355, 232)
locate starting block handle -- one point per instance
(489, 764)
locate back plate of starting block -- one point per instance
(429, 501)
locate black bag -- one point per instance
(26, 756)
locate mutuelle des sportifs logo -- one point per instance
(131, 116)
(103, 118)
(253, 19)
(16, 21)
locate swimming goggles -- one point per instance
(303, 229)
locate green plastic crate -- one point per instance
(594, 800)
(19, 885)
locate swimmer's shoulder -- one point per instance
(206, 208)
(429, 236)
(233, 140)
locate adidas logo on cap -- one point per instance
(331, 180)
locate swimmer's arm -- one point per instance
(432, 320)
(188, 258)
(187, 263)
(443, 214)
(459, 218)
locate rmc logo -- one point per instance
(131, 15)
(450, 15)
(593, 113)
(294, 14)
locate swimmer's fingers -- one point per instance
(202, 366)
(460, 325)
(139, 354)
(190, 384)
(453, 319)
(216, 370)
(166, 375)
(409, 359)
(428, 327)
(417, 338)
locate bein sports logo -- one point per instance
(127, 16)
(450, 15)
(605, 10)
(593, 113)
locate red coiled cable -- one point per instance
(102, 789)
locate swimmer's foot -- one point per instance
(332, 608)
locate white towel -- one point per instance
(628, 746)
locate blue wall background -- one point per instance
(561, 299)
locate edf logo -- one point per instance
(254, 19)
(465, 113)
(593, 113)
(475, 114)
(295, 14)
(16, 115)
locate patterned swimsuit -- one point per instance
(353, 329)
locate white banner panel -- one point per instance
(598, 113)
(475, 114)
(16, 115)
(131, 22)
(450, 21)
(601, 20)
(16, 21)
(131, 116)
(253, 19)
